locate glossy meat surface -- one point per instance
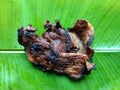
(59, 50)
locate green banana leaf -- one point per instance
(17, 73)
(104, 15)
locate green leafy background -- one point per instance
(16, 73)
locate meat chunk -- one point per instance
(59, 50)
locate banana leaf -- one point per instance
(17, 73)
(104, 15)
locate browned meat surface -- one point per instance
(59, 50)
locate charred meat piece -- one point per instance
(59, 50)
